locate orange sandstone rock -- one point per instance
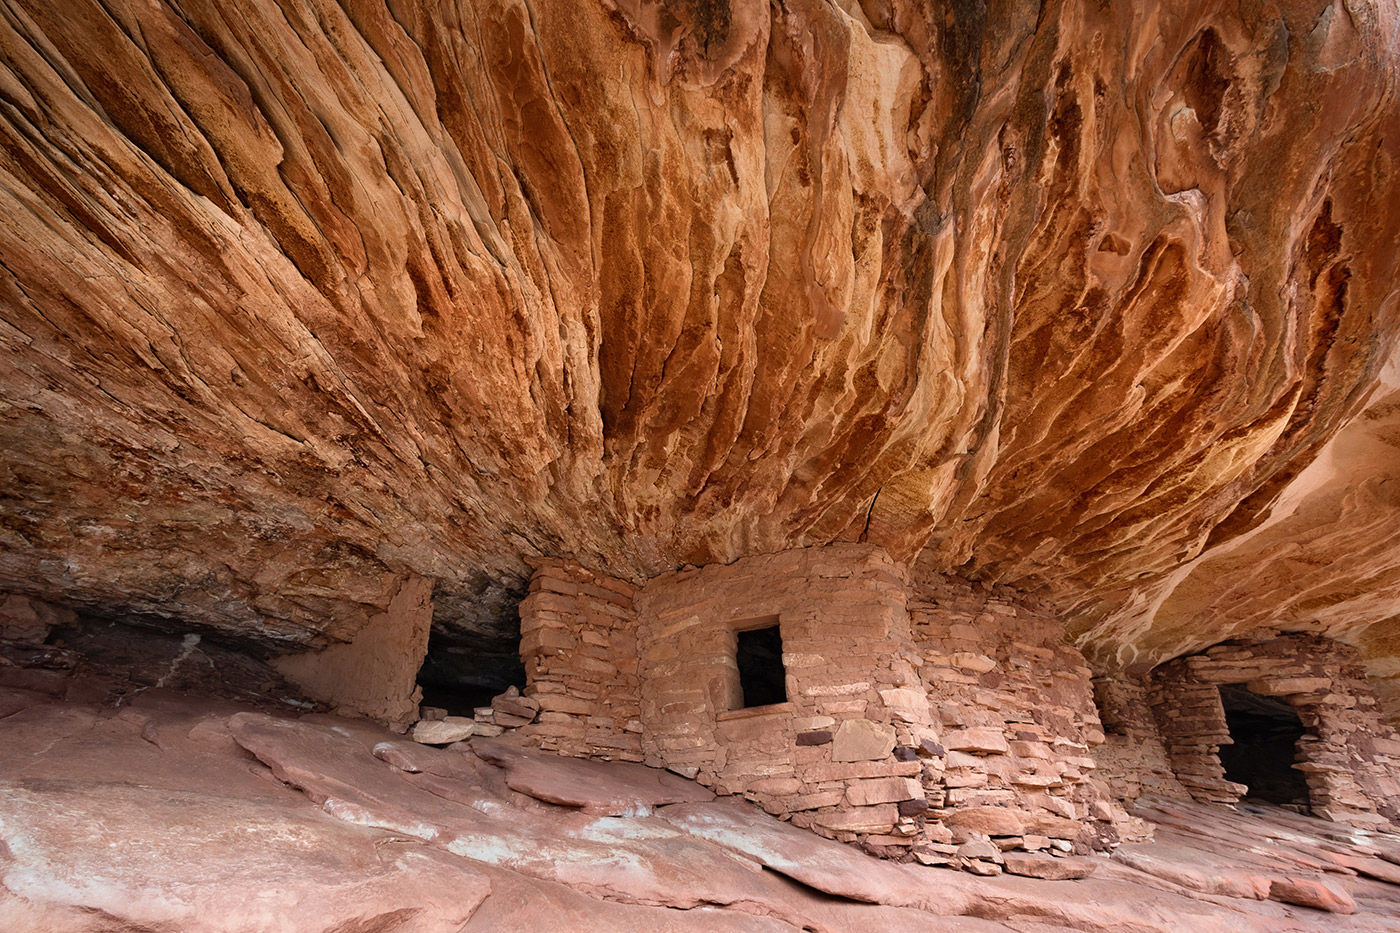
(1070, 298)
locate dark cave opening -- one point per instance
(761, 673)
(456, 699)
(123, 654)
(461, 673)
(1265, 731)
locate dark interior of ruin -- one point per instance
(458, 676)
(761, 673)
(1266, 731)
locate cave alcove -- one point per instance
(462, 671)
(1265, 731)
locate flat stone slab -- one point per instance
(1193, 873)
(1312, 892)
(1047, 867)
(153, 816)
(443, 731)
(819, 863)
(158, 859)
(616, 788)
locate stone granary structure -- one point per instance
(905, 710)
(1346, 751)
(933, 421)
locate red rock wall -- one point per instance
(578, 642)
(1351, 754)
(295, 303)
(1013, 702)
(27, 620)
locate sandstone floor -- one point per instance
(175, 813)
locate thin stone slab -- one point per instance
(612, 788)
(1048, 868)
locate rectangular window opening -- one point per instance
(762, 676)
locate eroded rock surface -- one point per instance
(176, 813)
(1322, 561)
(302, 300)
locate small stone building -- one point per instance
(1173, 728)
(831, 688)
(909, 711)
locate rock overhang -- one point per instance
(1058, 301)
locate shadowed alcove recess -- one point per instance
(759, 653)
(1265, 731)
(461, 672)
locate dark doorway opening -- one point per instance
(463, 672)
(761, 673)
(1266, 731)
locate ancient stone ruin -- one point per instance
(909, 712)
(699, 464)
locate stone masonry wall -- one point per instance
(1350, 755)
(1016, 712)
(1193, 727)
(940, 720)
(374, 674)
(579, 645)
(1132, 759)
(842, 755)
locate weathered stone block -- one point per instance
(844, 771)
(1386, 746)
(443, 731)
(1031, 750)
(986, 740)
(973, 662)
(777, 786)
(862, 740)
(906, 703)
(990, 821)
(1288, 686)
(877, 819)
(871, 791)
(1047, 868)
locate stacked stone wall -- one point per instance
(579, 644)
(1132, 759)
(1015, 708)
(934, 720)
(842, 755)
(1350, 755)
(1192, 724)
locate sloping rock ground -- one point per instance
(170, 813)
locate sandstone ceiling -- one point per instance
(299, 297)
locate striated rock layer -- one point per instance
(302, 300)
(176, 812)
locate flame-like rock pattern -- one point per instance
(299, 297)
